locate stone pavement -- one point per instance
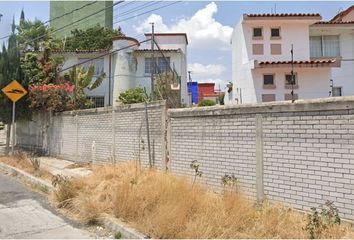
(62, 167)
(25, 214)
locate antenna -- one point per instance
(292, 74)
(189, 76)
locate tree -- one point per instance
(83, 79)
(32, 35)
(10, 70)
(92, 38)
(167, 88)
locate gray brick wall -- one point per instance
(87, 136)
(306, 149)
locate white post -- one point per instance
(13, 127)
(259, 159)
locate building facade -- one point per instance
(103, 18)
(262, 61)
(128, 65)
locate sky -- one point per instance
(208, 24)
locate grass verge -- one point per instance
(163, 205)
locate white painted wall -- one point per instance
(311, 83)
(248, 81)
(343, 76)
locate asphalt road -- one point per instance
(25, 214)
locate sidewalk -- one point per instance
(63, 167)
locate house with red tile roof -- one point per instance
(290, 56)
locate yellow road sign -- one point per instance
(14, 91)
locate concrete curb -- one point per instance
(112, 224)
(26, 176)
(115, 225)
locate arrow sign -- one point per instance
(14, 91)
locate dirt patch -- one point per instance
(162, 205)
(79, 165)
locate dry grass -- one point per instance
(21, 161)
(166, 206)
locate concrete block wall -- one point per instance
(300, 154)
(94, 135)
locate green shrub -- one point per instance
(206, 102)
(134, 95)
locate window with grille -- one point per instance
(162, 64)
(336, 91)
(268, 79)
(288, 79)
(257, 32)
(97, 63)
(324, 46)
(98, 101)
(275, 32)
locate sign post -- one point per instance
(14, 91)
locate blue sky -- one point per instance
(208, 25)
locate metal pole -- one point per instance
(148, 133)
(292, 74)
(113, 136)
(152, 59)
(13, 127)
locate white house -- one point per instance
(335, 38)
(128, 65)
(262, 62)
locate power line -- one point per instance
(143, 13)
(117, 50)
(137, 8)
(65, 14)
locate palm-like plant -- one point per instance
(83, 79)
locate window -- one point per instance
(268, 79)
(162, 64)
(324, 46)
(257, 32)
(275, 32)
(98, 64)
(288, 80)
(257, 49)
(275, 49)
(336, 91)
(98, 101)
(288, 97)
(268, 97)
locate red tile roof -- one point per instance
(169, 34)
(339, 16)
(71, 51)
(283, 15)
(318, 62)
(156, 50)
(329, 22)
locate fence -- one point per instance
(301, 154)
(98, 135)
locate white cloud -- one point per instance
(202, 29)
(203, 71)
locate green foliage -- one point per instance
(83, 79)
(206, 102)
(134, 95)
(10, 70)
(229, 181)
(163, 90)
(197, 173)
(221, 99)
(118, 235)
(2, 126)
(92, 38)
(32, 35)
(319, 222)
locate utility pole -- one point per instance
(152, 59)
(292, 74)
